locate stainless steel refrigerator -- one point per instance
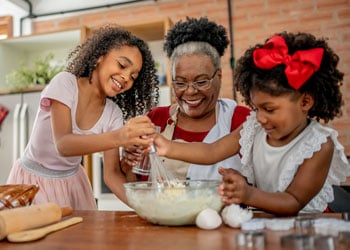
(16, 128)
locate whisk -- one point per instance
(159, 175)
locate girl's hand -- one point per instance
(136, 131)
(234, 188)
(162, 144)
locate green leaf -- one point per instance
(40, 73)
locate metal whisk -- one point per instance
(159, 175)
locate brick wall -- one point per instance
(253, 21)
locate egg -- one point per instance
(208, 219)
(233, 215)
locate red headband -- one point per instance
(299, 67)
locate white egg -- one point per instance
(233, 215)
(208, 219)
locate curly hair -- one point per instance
(323, 85)
(196, 30)
(144, 93)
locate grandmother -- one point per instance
(195, 48)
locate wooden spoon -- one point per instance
(35, 234)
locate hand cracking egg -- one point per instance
(208, 219)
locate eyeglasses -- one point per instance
(199, 85)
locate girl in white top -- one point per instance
(289, 159)
(78, 116)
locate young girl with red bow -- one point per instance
(290, 160)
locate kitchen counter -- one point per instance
(125, 230)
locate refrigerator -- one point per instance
(16, 128)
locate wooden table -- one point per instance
(125, 230)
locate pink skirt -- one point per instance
(74, 190)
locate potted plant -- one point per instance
(40, 73)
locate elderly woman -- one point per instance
(195, 48)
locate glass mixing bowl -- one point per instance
(173, 205)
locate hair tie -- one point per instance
(299, 67)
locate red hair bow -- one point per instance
(299, 67)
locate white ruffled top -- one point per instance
(272, 169)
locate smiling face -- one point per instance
(282, 117)
(117, 70)
(192, 102)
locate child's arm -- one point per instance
(306, 184)
(200, 152)
(69, 144)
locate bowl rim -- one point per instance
(150, 185)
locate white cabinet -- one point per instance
(16, 128)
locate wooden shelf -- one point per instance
(6, 27)
(47, 41)
(150, 30)
(26, 90)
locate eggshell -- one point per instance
(233, 215)
(208, 219)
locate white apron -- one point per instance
(183, 170)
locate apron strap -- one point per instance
(170, 125)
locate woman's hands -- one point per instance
(132, 155)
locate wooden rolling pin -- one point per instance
(22, 218)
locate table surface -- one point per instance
(126, 230)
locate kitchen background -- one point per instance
(247, 22)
